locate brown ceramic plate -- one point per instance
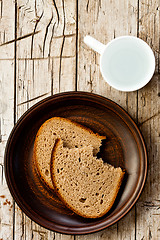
(124, 147)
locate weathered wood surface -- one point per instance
(148, 206)
(48, 57)
(6, 112)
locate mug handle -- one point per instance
(94, 44)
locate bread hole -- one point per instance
(46, 172)
(97, 194)
(86, 174)
(87, 206)
(100, 188)
(45, 145)
(76, 146)
(62, 129)
(44, 138)
(102, 195)
(54, 133)
(82, 200)
(97, 173)
(79, 160)
(101, 201)
(62, 168)
(66, 155)
(57, 170)
(74, 136)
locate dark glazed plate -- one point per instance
(124, 147)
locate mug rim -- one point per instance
(142, 83)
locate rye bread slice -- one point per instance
(85, 184)
(72, 134)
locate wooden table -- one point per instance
(42, 53)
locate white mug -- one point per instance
(127, 63)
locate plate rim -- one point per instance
(61, 228)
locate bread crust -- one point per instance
(57, 144)
(41, 129)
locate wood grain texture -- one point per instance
(6, 124)
(39, 50)
(148, 213)
(6, 111)
(7, 33)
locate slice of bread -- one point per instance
(87, 185)
(72, 134)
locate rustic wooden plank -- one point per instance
(7, 29)
(148, 213)
(46, 64)
(148, 206)
(6, 111)
(6, 124)
(106, 20)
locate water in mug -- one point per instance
(126, 64)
